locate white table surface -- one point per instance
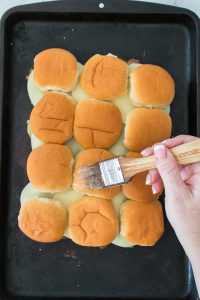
(193, 5)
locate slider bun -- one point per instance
(142, 223)
(93, 222)
(49, 168)
(87, 157)
(42, 220)
(51, 120)
(145, 127)
(97, 124)
(55, 69)
(104, 77)
(137, 189)
(152, 86)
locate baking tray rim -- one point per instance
(55, 7)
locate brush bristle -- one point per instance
(90, 176)
(104, 174)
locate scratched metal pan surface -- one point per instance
(157, 34)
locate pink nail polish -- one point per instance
(148, 179)
(160, 151)
(143, 152)
(154, 189)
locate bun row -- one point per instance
(51, 168)
(91, 221)
(104, 77)
(96, 124)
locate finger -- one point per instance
(186, 172)
(194, 181)
(169, 143)
(157, 187)
(146, 152)
(152, 177)
(195, 168)
(168, 170)
(178, 140)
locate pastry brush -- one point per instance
(119, 170)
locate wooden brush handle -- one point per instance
(185, 154)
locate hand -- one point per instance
(182, 195)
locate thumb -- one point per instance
(168, 169)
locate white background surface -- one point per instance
(193, 5)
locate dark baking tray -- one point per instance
(158, 34)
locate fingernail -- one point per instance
(148, 179)
(160, 151)
(154, 189)
(143, 152)
(165, 141)
(184, 175)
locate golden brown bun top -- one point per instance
(51, 120)
(88, 157)
(142, 223)
(104, 77)
(55, 68)
(93, 222)
(145, 127)
(97, 124)
(43, 220)
(49, 167)
(151, 85)
(137, 189)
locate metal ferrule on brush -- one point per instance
(111, 172)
